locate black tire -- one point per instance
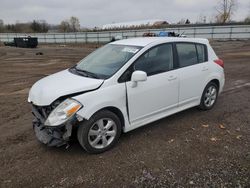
(84, 129)
(203, 104)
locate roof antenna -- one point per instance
(182, 34)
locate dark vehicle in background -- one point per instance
(23, 42)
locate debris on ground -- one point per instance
(239, 137)
(238, 129)
(205, 126)
(39, 53)
(170, 141)
(214, 139)
(222, 126)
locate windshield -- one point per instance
(106, 61)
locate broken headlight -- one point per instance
(63, 112)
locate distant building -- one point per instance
(135, 24)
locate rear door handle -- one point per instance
(204, 69)
(170, 78)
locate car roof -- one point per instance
(144, 41)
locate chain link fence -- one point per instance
(209, 32)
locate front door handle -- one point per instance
(170, 78)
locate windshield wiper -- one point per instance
(86, 73)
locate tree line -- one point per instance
(41, 26)
(35, 26)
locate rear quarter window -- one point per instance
(201, 52)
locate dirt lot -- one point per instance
(189, 149)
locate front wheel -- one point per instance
(209, 96)
(100, 133)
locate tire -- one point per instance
(91, 134)
(209, 96)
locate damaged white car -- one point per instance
(124, 85)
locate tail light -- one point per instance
(219, 62)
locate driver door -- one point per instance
(158, 95)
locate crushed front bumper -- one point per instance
(53, 136)
(49, 135)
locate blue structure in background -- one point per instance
(163, 34)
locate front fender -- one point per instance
(109, 96)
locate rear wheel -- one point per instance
(100, 133)
(209, 96)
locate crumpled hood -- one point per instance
(50, 88)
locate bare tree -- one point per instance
(75, 24)
(247, 19)
(44, 26)
(1, 25)
(225, 10)
(71, 25)
(39, 26)
(202, 19)
(64, 26)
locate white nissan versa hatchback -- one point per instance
(124, 85)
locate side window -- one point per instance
(152, 53)
(201, 50)
(157, 60)
(187, 54)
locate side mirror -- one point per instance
(138, 76)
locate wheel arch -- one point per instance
(202, 106)
(117, 112)
(215, 81)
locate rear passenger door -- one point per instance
(192, 64)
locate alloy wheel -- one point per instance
(102, 133)
(210, 96)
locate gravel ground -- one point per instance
(189, 149)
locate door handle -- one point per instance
(204, 69)
(170, 78)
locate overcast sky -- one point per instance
(93, 13)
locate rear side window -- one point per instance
(187, 54)
(157, 60)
